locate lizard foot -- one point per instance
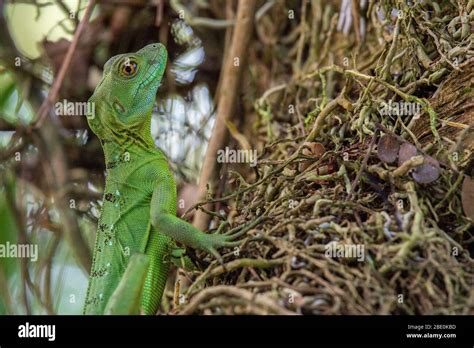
(212, 242)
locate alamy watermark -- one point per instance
(37, 331)
(12, 250)
(237, 156)
(338, 250)
(68, 108)
(400, 108)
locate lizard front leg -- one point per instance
(163, 218)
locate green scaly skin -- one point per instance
(138, 226)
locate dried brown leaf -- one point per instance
(311, 149)
(387, 148)
(427, 172)
(406, 152)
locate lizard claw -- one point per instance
(214, 241)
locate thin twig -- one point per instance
(54, 91)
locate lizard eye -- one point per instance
(129, 68)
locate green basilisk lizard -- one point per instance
(138, 227)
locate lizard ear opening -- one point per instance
(118, 107)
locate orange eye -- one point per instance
(129, 68)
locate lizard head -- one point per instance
(124, 98)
